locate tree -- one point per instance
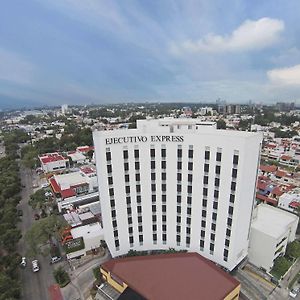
(61, 276)
(293, 249)
(41, 232)
(38, 199)
(221, 124)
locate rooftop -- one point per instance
(173, 276)
(87, 231)
(52, 157)
(271, 220)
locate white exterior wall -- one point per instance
(271, 230)
(247, 145)
(54, 166)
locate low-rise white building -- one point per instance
(271, 230)
(289, 201)
(52, 162)
(92, 234)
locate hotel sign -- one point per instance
(144, 139)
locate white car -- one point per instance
(48, 194)
(23, 262)
(55, 259)
(293, 293)
(35, 265)
(44, 185)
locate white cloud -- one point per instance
(250, 35)
(14, 68)
(285, 76)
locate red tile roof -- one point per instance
(261, 185)
(294, 204)
(266, 199)
(268, 169)
(87, 170)
(285, 157)
(280, 173)
(173, 276)
(51, 158)
(85, 148)
(68, 193)
(277, 191)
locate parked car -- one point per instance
(35, 266)
(23, 262)
(20, 212)
(36, 216)
(55, 259)
(44, 185)
(294, 292)
(48, 194)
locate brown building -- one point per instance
(177, 276)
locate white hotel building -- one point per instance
(178, 183)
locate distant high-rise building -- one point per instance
(64, 109)
(178, 183)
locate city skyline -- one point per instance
(105, 52)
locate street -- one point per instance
(34, 285)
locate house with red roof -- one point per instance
(53, 162)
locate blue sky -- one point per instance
(84, 51)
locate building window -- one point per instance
(138, 188)
(211, 247)
(178, 209)
(188, 230)
(126, 178)
(178, 238)
(109, 169)
(152, 176)
(140, 228)
(201, 244)
(206, 168)
(163, 152)
(233, 186)
(140, 219)
(129, 210)
(179, 165)
(188, 221)
(108, 156)
(203, 213)
(153, 187)
(125, 154)
(217, 182)
(178, 219)
(141, 238)
(189, 189)
(205, 180)
(230, 210)
(112, 203)
(130, 220)
(218, 169)
(178, 199)
(190, 178)
(114, 223)
(235, 159)
(153, 198)
(127, 189)
(215, 205)
(152, 165)
(179, 152)
(225, 253)
(218, 156)
(139, 209)
(136, 153)
(189, 200)
(137, 177)
(117, 244)
(179, 176)
(152, 152)
(131, 239)
(234, 173)
(216, 194)
(228, 232)
(231, 198)
(163, 176)
(110, 180)
(164, 208)
(153, 208)
(229, 221)
(164, 218)
(154, 218)
(115, 233)
(188, 239)
(164, 227)
(189, 210)
(178, 229)
(154, 227)
(191, 153)
(214, 216)
(164, 237)
(163, 198)
(205, 191)
(163, 187)
(204, 202)
(137, 165)
(207, 155)
(111, 192)
(213, 227)
(126, 166)
(190, 166)
(203, 224)
(138, 199)
(202, 233)
(212, 236)
(163, 165)
(227, 242)
(113, 213)
(178, 187)
(154, 237)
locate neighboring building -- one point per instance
(290, 201)
(271, 230)
(53, 162)
(77, 157)
(169, 276)
(88, 236)
(178, 183)
(64, 109)
(75, 183)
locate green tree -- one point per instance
(293, 249)
(38, 199)
(61, 276)
(221, 124)
(40, 233)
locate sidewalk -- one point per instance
(82, 279)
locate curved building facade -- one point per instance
(177, 183)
